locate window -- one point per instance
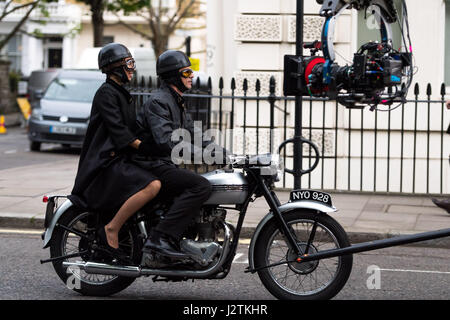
(53, 52)
(368, 29)
(13, 52)
(107, 39)
(447, 43)
(68, 89)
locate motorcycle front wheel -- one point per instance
(313, 280)
(64, 242)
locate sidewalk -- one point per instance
(364, 216)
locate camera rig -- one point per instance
(379, 75)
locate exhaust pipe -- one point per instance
(137, 271)
(105, 269)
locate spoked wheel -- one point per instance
(76, 237)
(319, 279)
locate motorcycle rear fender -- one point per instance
(59, 212)
(285, 208)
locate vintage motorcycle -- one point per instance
(284, 237)
(297, 249)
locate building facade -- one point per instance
(67, 32)
(405, 150)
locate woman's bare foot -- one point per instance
(112, 237)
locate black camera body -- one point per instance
(376, 67)
(379, 74)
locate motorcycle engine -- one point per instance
(201, 241)
(206, 226)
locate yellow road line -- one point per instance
(21, 231)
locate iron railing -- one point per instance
(402, 151)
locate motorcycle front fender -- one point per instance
(51, 227)
(287, 207)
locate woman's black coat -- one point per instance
(105, 178)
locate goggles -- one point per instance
(186, 73)
(130, 65)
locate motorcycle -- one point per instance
(281, 241)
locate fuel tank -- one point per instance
(228, 187)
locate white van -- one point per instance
(144, 57)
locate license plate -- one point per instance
(311, 195)
(64, 130)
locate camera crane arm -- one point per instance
(333, 7)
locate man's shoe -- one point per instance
(443, 203)
(163, 245)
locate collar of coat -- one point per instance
(121, 89)
(178, 98)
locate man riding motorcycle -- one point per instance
(162, 114)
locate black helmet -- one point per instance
(112, 52)
(171, 60)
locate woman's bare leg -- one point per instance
(133, 204)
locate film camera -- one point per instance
(379, 73)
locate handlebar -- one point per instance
(243, 161)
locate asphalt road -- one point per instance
(406, 273)
(15, 150)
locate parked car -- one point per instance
(38, 81)
(62, 113)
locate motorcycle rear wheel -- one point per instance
(314, 280)
(64, 242)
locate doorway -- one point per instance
(53, 52)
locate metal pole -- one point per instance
(377, 244)
(188, 45)
(298, 150)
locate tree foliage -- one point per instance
(22, 9)
(162, 20)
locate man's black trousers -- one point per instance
(188, 190)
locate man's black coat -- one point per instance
(162, 114)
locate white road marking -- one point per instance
(237, 256)
(11, 151)
(416, 271)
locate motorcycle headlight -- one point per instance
(276, 167)
(280, 168)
